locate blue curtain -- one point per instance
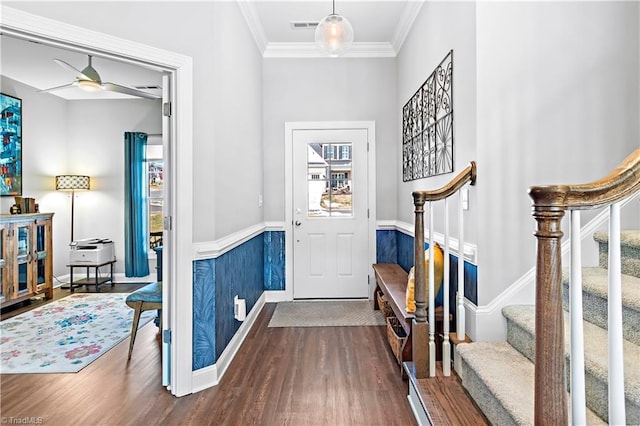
(136, 228)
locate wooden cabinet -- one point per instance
(26, 257)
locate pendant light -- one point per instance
(334, 34)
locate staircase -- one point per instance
(500, 375)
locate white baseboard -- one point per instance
(210, 376)
(275, 296)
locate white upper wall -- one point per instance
(44, 155)
(235, 107)
(96, 148)
(78, 137)
(558, 102)
(227, 158)
(544, 92)
(439, 28)
(329, 89)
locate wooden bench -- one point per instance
(391, 280)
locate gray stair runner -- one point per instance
(500, 376)
(629, 246)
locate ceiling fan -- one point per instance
(88, 79)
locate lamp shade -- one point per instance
(334, 34)
(72, 182)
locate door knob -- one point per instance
(298, 223)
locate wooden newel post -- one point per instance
(550, 387)
(420, 328)
(418, 256)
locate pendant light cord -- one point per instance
(334, 7)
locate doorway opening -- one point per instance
(178, 130)
(330, 209)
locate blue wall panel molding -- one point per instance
(204, 313)
(386, 246)
(274, 260)
(246, 270)
(405, 250)
(397, 247)
(238, 272)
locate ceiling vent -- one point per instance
(304, 25)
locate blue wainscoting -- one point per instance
(386, 246)
(246, 271)
(238, 272)
(393, 242)
(204, 313)
(274, 260)
(258, 265)
(405, 250)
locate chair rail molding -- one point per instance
(470, 250)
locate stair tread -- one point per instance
(596, 347)
(595, 280)
(492, 362)
(628, 237)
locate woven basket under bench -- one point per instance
(396, 336)
(384, 306)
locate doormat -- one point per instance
(326, 314)
(66, 335)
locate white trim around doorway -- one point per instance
(289, 127)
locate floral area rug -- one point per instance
(66, 335)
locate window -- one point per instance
(329, 184)
(328, 152)
(339, 180)
(155, 191)
(344, 152)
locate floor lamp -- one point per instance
(72, 183)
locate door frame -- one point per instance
(289, 128)
(178, 269)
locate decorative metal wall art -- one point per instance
(427, 126)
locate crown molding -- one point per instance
(250, 14)
(409, 15)
(311, 50)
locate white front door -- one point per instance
(330, 209)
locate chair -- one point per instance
(144, 299)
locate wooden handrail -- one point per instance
(622, 181)
(468, 174)
(549, 205)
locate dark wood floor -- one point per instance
(280, 376)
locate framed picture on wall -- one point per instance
(11, 147)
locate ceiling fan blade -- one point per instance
(59, 87)
(70, 67)
(128, 91)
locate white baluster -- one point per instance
(460, 313)
(617, 414)
(446, 346)
(432, 322)
(578, 401)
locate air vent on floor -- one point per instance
(304, 25)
